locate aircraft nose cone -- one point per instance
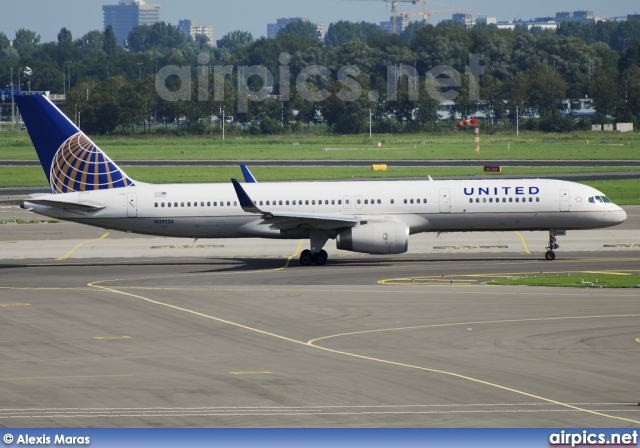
(619, 216)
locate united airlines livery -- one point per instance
(373, 217)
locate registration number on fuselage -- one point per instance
(163, 221)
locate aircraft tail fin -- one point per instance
(71, 161)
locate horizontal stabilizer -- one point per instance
(64, 205)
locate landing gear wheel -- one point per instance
(306, 258)
(320, 258)
(553, 245)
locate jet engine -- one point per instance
(375, 238)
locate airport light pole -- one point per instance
(68, 63)
(13, 110)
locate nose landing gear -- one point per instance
(553, 245)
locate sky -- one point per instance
(47, 17)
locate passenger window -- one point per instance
(393, 201)
(235, 204)
(358, 201)
(530, 199)
(163, 204)
(510, 199)
(484, 199)
(405, 201)
(517, 199)
(333, 202)
(504, 199)
(313, 202)
(156, 205)
(306, 202)
(490, 199)
(175, 204)
(366, 201)
(470, 200)
(326, 202)
(280, 202)
(208, 204)
(411, 201)
(288, 203)
(537, 199)
(340, 201)
(424, 201)
(379, 201)
(188, 204)
(477, 200)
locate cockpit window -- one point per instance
(599, 199)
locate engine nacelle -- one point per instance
(375, 238)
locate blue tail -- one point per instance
(71, 161)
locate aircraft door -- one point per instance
(445, 201)
(132, 206)
(564, 200)
(346, 202)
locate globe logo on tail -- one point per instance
(79, 165)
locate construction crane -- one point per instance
(426, 14)
(394, 9)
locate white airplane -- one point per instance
(374, 217)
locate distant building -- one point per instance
(633, 16)
(402, 23)
(127, 15)
(464, 18)
(545, 25)
(576, 16)
(274, 28)
(191, 29)
(484, 20)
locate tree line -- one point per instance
(530, 71)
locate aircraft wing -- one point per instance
(289, 220)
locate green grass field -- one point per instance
(449, 146)
(622, 192)
(579, 280)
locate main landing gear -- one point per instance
(307, 258)
(317, 238)
(553, 245)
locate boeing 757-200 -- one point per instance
(374, 217)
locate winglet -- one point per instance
(248, 176)
(245, 201)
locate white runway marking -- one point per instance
(250, 411)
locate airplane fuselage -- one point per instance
(213, 211)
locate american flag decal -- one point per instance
(161, 194)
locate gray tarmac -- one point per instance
(104, 329)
